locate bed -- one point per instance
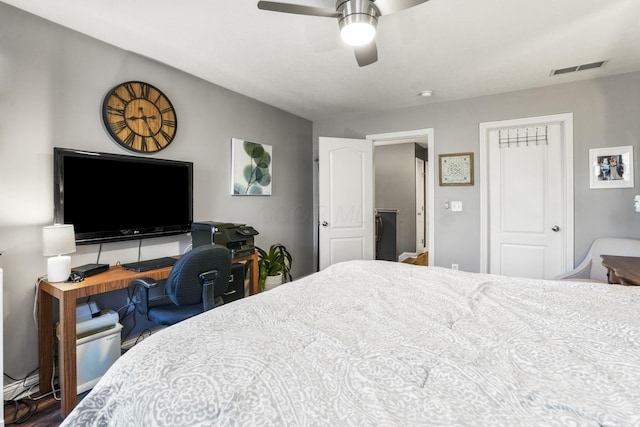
(376, 343)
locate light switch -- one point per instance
(456, 206)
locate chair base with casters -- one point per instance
(591, 268)
(196, 284)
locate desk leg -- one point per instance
(45, 340)
(255, 272)
(67, 354)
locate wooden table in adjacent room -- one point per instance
(623, 270)
(67, 294)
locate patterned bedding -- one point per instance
(375, 343)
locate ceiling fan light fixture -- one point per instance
(358, 30)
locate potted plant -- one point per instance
(274, 266)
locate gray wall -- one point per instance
(395, 188)
(606, 113)
(52, 82)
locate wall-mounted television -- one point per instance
(112, 197)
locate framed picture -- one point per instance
(251, 168)
(456, 169)
(611, 167)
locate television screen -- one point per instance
(111, 197)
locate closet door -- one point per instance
(530, 210)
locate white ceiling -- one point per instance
(457, 48)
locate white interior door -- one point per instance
(529, 217)
(345, 193)
(420, 211)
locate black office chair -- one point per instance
(195, 284)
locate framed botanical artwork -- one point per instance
(456, 169)
(251, 168)
(611, 167)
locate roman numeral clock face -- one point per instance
(139, 117)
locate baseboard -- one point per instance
(405, 255)
(19, 389)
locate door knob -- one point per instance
(555, 228)
(325, 223)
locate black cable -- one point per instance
(131, 293)
(11, 378)
(29, 405)
(99, 252)
(141, 337)
(23, 379)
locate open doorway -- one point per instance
(404, 195)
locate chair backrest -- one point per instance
(184, 286)
(610, 246)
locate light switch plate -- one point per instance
(456, 206)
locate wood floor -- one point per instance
(46, 413)
(422, 259)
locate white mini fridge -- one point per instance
(95, 353)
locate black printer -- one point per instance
(238, 238)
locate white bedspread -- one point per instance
(374, 343)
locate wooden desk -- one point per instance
(67, 294)
(623, 270)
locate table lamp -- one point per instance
(58, 240)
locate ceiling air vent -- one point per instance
(575, 68)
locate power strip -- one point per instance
(19, 389)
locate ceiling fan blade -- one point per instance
(391, 6)
(367, 54)
(297, 9)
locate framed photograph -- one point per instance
(251, 168)
(456, 169)
(611, 167)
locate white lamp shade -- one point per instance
(58, 239)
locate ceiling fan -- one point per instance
(358, 20)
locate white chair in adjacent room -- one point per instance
(591, 267)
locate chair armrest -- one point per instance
(146, 282)
(207, 280)
(580, 272)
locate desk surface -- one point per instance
(113, 279)
(67, 293)
(625, 268)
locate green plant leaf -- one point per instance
(263, 177)
(239, 188)
(254, 150)
(247, 173)
(264, 161)
(276, 260)
(255, 189)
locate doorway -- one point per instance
(424, 211)
(348, 208)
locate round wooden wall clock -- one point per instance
(139, 117)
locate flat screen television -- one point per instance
(112, 197)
